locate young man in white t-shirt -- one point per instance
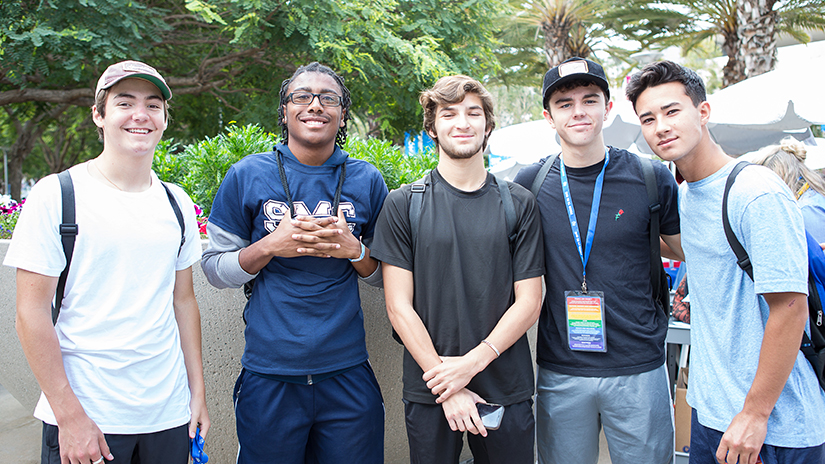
(755, 397)
(120, 369)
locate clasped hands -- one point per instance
(448, 381)
(325, 237)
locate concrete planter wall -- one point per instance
(223, 343)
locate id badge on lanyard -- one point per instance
(585, 321)
(586, 330)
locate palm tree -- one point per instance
(568, 27)
(748, 29)
(761, 21)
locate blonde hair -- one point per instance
(787, 160)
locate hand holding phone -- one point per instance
(490, 414)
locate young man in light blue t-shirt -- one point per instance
(755, 397)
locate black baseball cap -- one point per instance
(573, 69)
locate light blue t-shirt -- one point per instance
(813, 210)
(727, 317)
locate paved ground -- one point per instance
(19, 432)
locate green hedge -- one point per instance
(200, 167)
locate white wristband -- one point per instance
(491, 347)
(363, 253)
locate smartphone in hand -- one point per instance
(490, 414)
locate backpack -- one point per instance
(68, 232)
(417, 200)
(418, 188)
(812, 347)
(658, 277)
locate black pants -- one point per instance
(167, 446)
(433, 442)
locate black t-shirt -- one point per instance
(619, 264)
(463, 276)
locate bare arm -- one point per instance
(80, 438)
(455, 373)
(780, 345)
(188, 318)
(398, 292)
(671, 246)
(460, 410)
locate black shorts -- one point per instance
(167, 446)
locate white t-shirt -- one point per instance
(117, 329)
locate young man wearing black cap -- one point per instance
(475, 292)
(121, 368)
(601, 335)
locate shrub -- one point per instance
(396, 168)
(200, 167)
(9, 212)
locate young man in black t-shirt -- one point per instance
(457, 295)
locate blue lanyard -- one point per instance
(594, 214)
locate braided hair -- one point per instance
(346, 101)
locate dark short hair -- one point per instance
(665, 72)
(453, 89)
(574, 84)
(346, 101)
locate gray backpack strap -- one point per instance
(542, 174)
(68, 232)
(174, 202)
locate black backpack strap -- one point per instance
(509, 211)
(417, 189)
(658, 279)
(535, 187)
(174, 202)
(68, 233)
(742, 258)
(813, 347)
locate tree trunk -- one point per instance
(27, 135)
(757, 33)
(734, 70)
(373, 125)
(556, 49)
(17, 153)
(577, 42)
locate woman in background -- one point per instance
(788, 161)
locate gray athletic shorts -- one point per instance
(635, 410)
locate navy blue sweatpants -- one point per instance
(336, 420)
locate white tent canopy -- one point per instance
(790, 97)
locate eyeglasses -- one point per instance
(305, 98)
